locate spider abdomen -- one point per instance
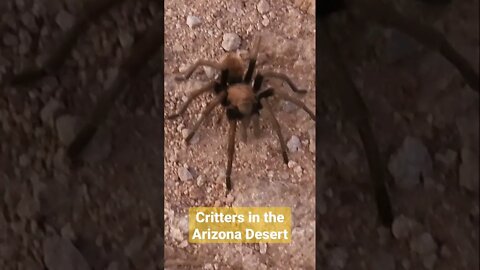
(240, 101)
(235, 65)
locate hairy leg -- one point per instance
(276, 128)
(230, 153)
(193, 95)
(253, 60)
(256, 125)
(199, 63)
(285, 78)
(214, 103)
(295, 101)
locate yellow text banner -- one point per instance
(239, 225)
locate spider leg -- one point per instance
(244, 123)
(193, 95)
(357, 112)
(199, 63)
(55, 59)
(230, 152)
(253, 60)
(214, 103)
(285, 78)
(148, 45)
(424, 34)
(256, 125)
(295, 101)
(276, 127)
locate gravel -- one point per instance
(193, 21)
(294, 144)
(184, 174)
(231, 42)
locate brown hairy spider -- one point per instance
(347, 93)
(241, 99)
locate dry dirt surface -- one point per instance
(426, 120)
(195, 174)
(106, 214)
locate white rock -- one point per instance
(184, 174)
(298, 170)
(263, 248)
(410, 162)
(294, 144)
(200, 181)
(61, 254)
(209, 71)
(291, 164)
(263, 7)
(185, 132)
(231, 42)
(193, 21)
(65, 20)
(183, 224)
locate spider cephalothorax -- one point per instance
(241, 95)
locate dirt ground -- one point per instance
(260, 178)
(106, 214)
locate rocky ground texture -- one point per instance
(195, 174)
(106, 214)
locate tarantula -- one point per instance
(241, 98)
(347, 93)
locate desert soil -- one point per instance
(106, 214)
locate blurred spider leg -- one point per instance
(244, 123)
(214, 103)
(424, 34)
(276, 127)
(148, 45)
(199, 63)
(230, 152)
(357, 112)
(285, 78)
(297, 102)
(253, 60)
(193, 95)
(256, 125)
(58, 55)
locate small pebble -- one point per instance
(193, 21)
(231, 42)
(184, 174)
(294, 144)
(263, 7)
